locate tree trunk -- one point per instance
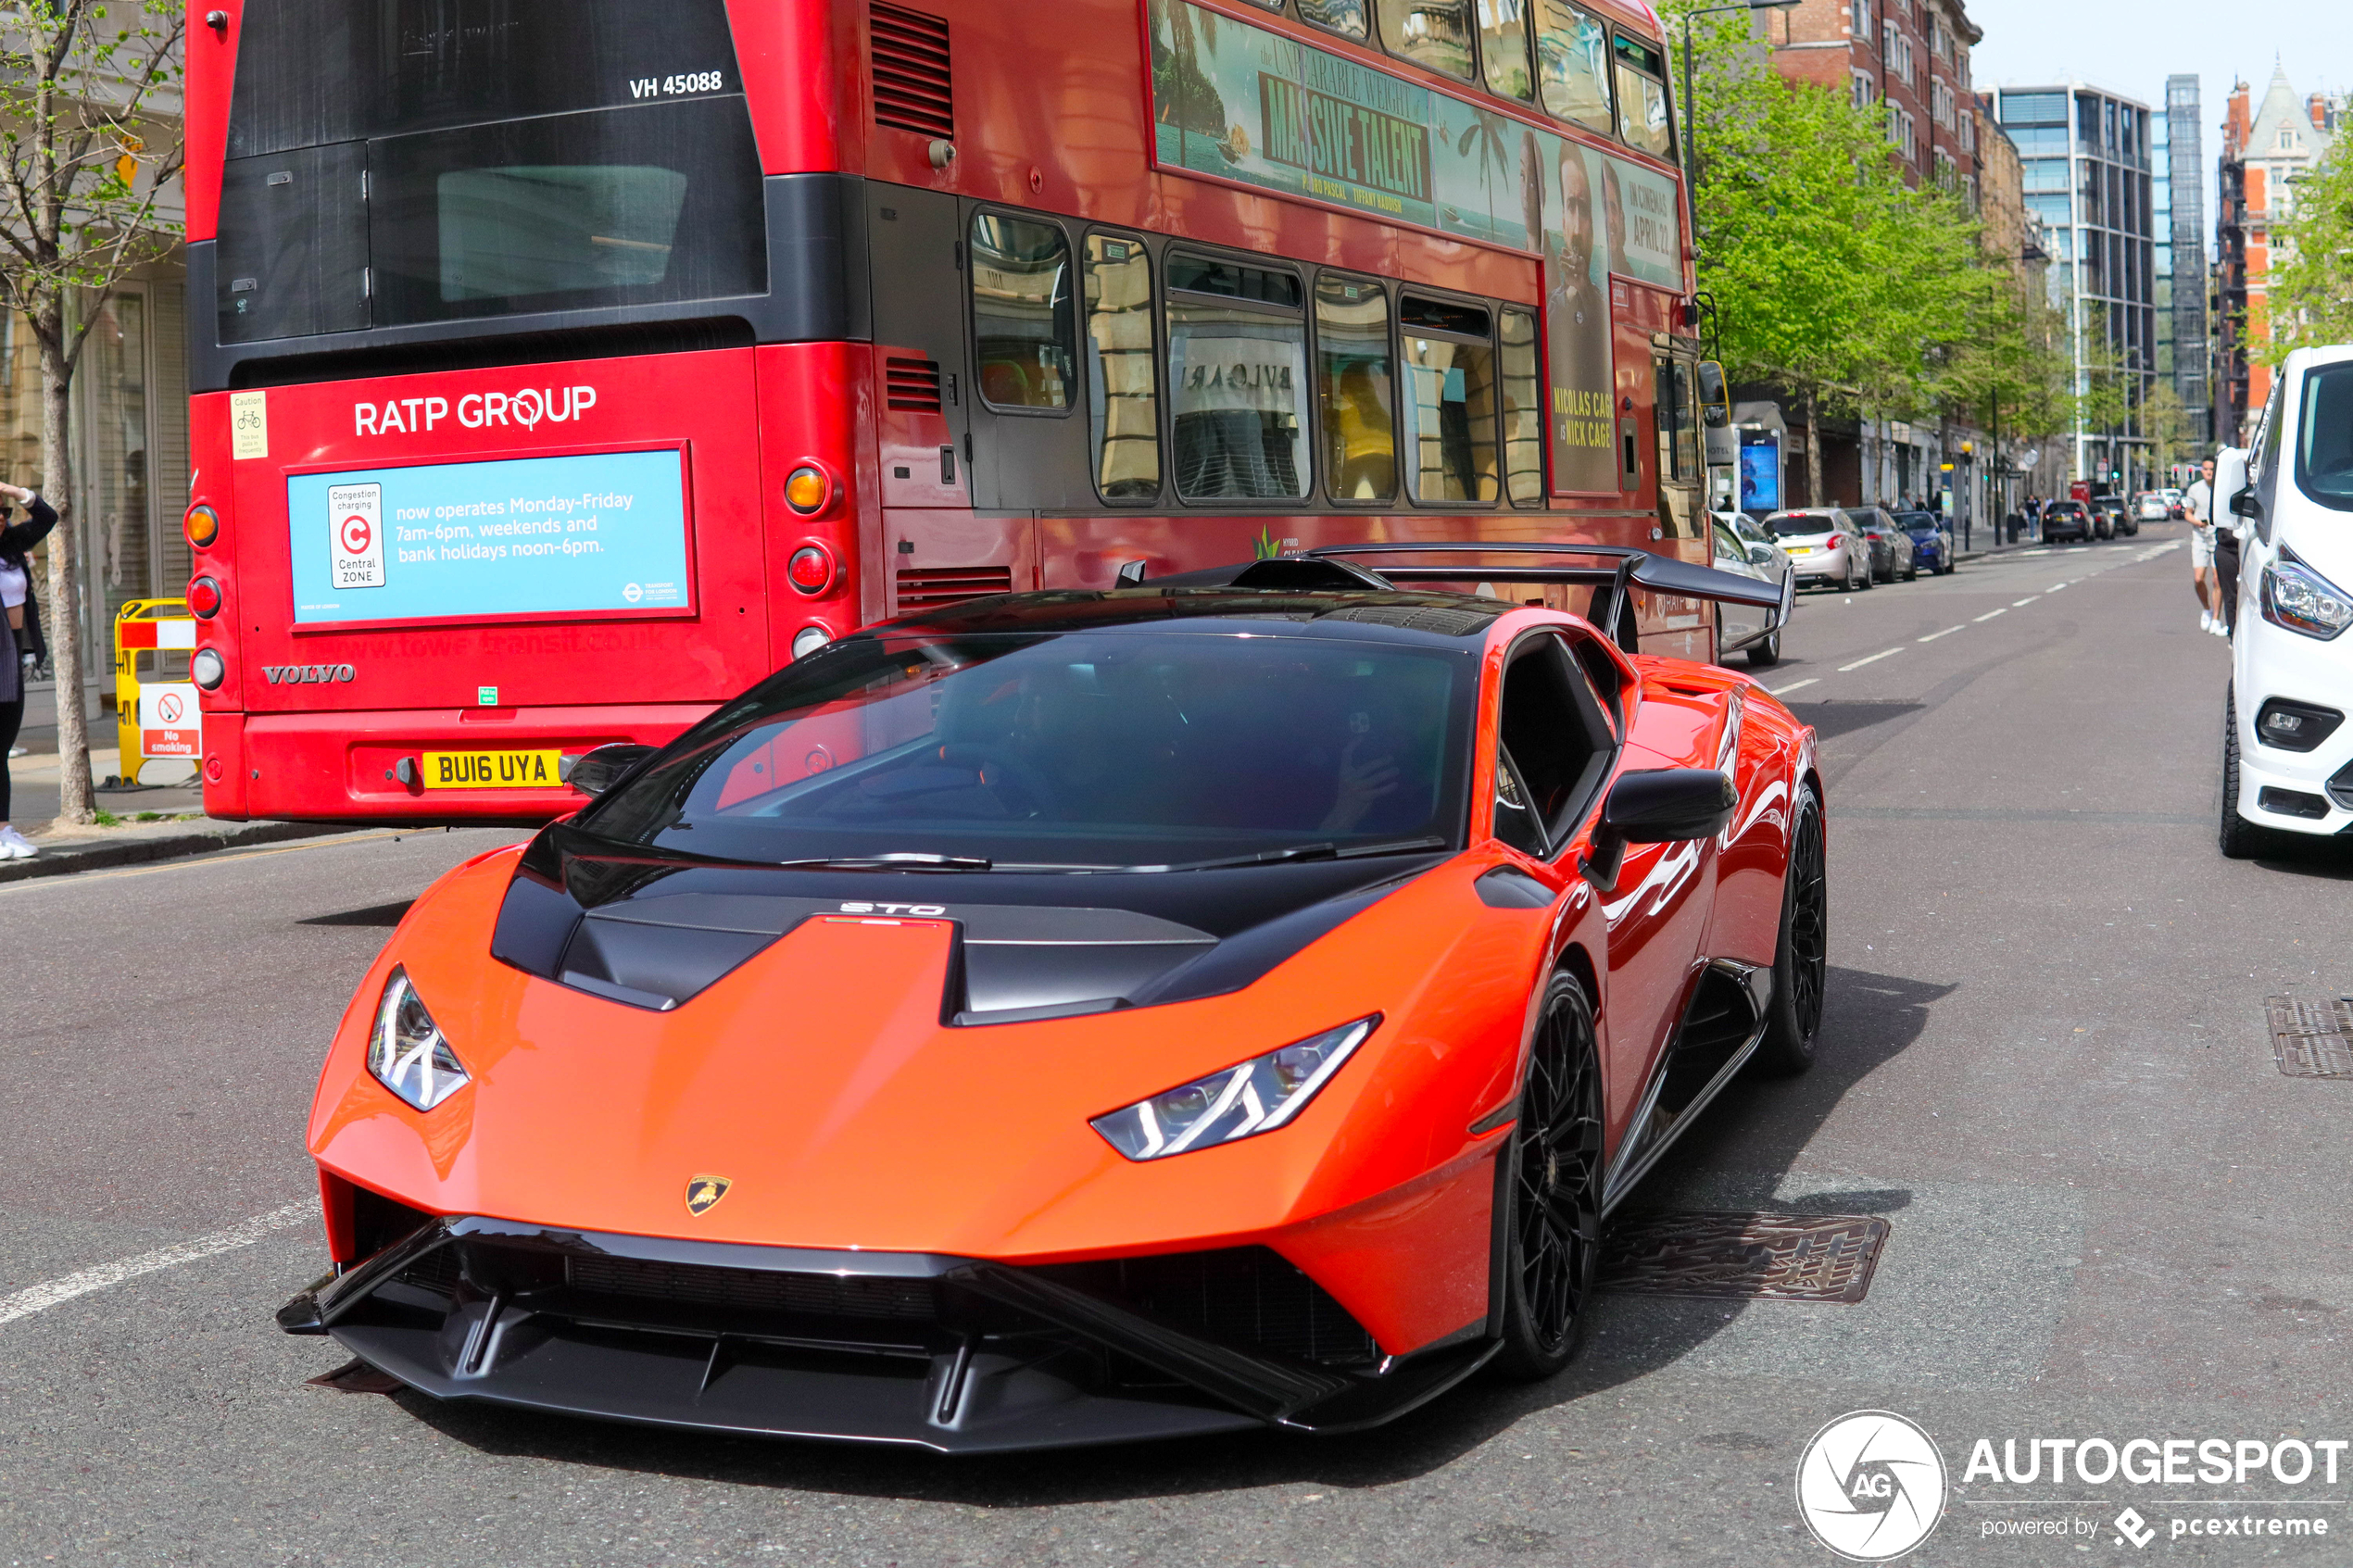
(1813, 450)
(76, 801)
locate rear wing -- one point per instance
(1615, 571)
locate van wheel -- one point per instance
(2241, 840)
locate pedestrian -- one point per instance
(2229, 478)
(2199, 504)
(21, 647)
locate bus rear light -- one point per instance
(202, 526)
(207, 669)
(811, 569)
(808, 490)
(809, 639)
(204, 599)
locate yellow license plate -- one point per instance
(1801, 550)
(492, 770)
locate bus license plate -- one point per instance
(492, 770)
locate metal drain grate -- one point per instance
(1766, 1257)
(2311, 1039)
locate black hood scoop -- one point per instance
(653, 931)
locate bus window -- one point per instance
(1429, 32)
(1237, 383)
(1502, 48)
(1642, 99)
(1450, 401)
(1677, 426)
(1021, 312)
(1123, 388)
(1358, 389)
(1523, 411)
(1572, 61)
(1345, 16)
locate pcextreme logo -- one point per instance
(1871, 1486)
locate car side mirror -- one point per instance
(1657, 806)
(1759, 556)
(2244, 504)
(598, 770)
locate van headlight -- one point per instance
(2301, 600)
(1250, 1097)
(408, 1053)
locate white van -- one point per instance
(2287, 752)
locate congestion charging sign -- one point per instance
(603, 533)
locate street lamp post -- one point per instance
(1691, 124)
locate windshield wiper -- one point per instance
(1297, 852)
(897, 860)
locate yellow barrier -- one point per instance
(158, 724)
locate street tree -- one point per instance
(2311, 277)
(90, 145)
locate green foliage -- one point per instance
(2311, 282)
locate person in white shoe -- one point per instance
(21, 647)
(2199, 502)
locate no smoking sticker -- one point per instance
(355, 519)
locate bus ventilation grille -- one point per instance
(930, 589)
(912, 384)
(910, 72)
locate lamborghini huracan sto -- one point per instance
(1226, 1001)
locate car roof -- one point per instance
(1423, 618)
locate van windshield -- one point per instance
(2324, 445)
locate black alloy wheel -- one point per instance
(1551, 1224)
(1801, 959)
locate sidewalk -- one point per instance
(150, 824)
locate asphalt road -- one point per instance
(2044, 1063)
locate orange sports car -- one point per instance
(1229, 1001)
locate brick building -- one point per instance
(1912, 56)
(2266, 148)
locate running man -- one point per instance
(2199, 503)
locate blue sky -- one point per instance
(2131, 47)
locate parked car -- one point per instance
(2067, 521)
(1891, 547)
(1825, 547)
(2152, 507)
(1932, 538)
(2122, 521)
(2287, 753)
(1749, 629)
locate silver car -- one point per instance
(1825, 547)
(1742, 547)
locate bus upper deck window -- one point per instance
(1572, 62)
(1343, 17)
(1237, 379)
(1021, 312)
(1123, 386)
(1523, 411)
(1643, 120)
(1450, 401)
(1429, 32)
(1503, 48)
(1357, 386)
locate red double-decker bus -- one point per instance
(577, 362)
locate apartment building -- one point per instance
(1911, 56)
(2266, 150)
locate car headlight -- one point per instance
(408, 1053)
(2300, 600)
(1254, 1096)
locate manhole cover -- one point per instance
(2311, 1039)
(1772, 1257)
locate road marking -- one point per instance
(2057, 586)
(1793, 685)
(40, 1298)
(1873, 659)
(1992, 613)
(2030, 598)
(201, 858)
(1946, 633)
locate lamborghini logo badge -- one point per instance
(704, 1192)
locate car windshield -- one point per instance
(1916, 522)
(1799, 525)
(2324, 445)
(1111, 747)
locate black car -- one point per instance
(2068, 521)
(1932, 539)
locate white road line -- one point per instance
(40, 1298)
(1992, 613)
(1946, 633)
(1873, 659)
(1793, 685)
(2057, 586)
(2016, 603)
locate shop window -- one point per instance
(1358, 388)
(1123, 386)
(1450, 401)
(1238, 387)
(1522, 378)
(1572, 63)
(1021, 313)
(1429, 32)
(1503, 48)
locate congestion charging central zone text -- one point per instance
(575, 535)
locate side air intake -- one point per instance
(911, 88)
